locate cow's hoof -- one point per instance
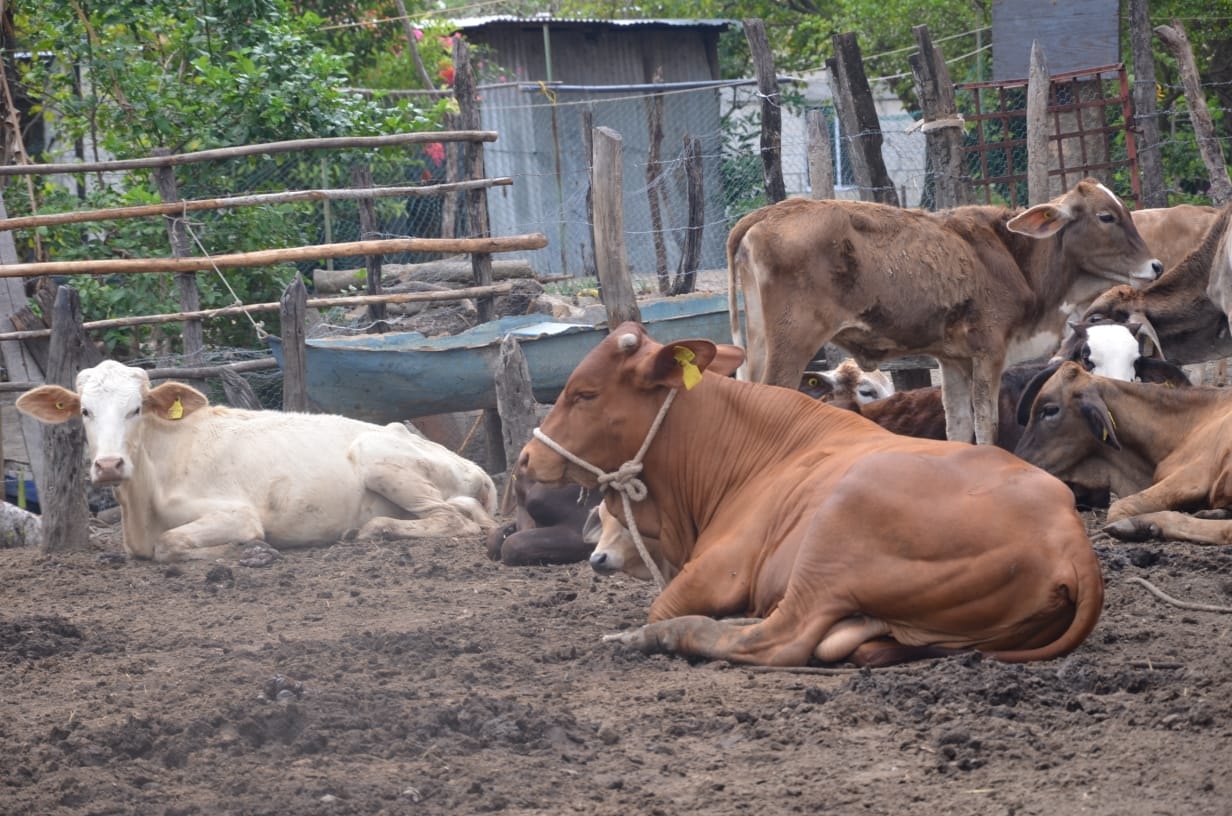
(1132, 530)
(259, 555)
(1215, 513)
(634, 639)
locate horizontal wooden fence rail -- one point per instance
(265, 257)
(249, 308)
(177, 373)
(290, 146)
(181, 207)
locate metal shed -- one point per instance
(556, 72)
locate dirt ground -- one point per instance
(421, 678)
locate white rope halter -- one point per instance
(624, 480)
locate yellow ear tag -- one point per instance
(692, 374)
(176, 411)
(59, 406)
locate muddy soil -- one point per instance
(421, 678)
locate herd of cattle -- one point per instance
(834, 519)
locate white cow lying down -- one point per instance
(195, 480)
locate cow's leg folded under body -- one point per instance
(218, 533)
(433, 514)
(1172, 525)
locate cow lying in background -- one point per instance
(776, 506)
(547, 527)
(976, 287)
(847, 384)
(1188, 307)
(1108, 349)
(194, 480)
(1160, 450)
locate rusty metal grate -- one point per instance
(1092, 134)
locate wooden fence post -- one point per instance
(1146, 112)
(190, 297)
(690, 255)
(477, 221)
(515, 400)
(820, 155)
(294, 369)
(62, 494)
(771, 110)
(947, 176)
(1039, 158)
(857, 113)
(1177, 40)
(361, 177)
(611, 262)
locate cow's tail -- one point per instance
(734, 239)
(1089, 588)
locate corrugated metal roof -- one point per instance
(464, 23)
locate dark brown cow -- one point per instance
(1106, 349)
(1188, 306)
(975, 287)
(851, 542)
(1159, 449)
(547, 526)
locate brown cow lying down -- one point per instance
(547, 526)
(1159, 449)
(851, 542)
(1108, 349)
(976, 287)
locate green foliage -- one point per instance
(130, 76)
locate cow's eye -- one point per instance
(584, 396)
(85, 412)
(1049, 411)
(1107, 218)
(136, 411)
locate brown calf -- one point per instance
(975, 287)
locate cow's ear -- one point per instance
(174, 400)
(50, 403)
(727, 359)
(1099, 420)
(680, 363)
(1040, 221)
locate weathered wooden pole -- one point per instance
(361, 176)
(477, 221)
(820, 155)
(857, 113)
(1177, 40)
(690, 255)
(771, 110)
(611, 262)
(515, 400)
(1146, 111)
(947, 175)
(294, 304)
(190, 297)
(1039, 158)
(62, 494)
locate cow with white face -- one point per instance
(194, 480)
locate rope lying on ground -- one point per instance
(1165, 597)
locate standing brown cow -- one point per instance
(975, 287)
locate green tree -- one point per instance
(129, 76)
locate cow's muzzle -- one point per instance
(108, 470)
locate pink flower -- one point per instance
(418, 34)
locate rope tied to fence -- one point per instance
(548, 92)
(258, 328)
